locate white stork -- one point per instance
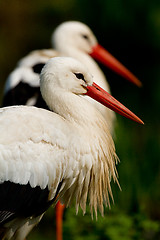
(63, 153)
(73, 39)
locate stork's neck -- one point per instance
(72, 107)
(92, 129)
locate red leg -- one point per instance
(59, 220)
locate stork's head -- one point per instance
(67, 74)
(74, 35)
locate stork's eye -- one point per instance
(85, 36)
(80, 76)
(38, 67)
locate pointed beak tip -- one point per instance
(138, 83)
(141, 122)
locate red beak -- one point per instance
(100, 95)
(103, 56)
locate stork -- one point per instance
(64, 153)
(74, 39)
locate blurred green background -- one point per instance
(130, 30)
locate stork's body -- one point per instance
(46, 155)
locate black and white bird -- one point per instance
(66, 153)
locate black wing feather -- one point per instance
(21, 93)
(18, 200)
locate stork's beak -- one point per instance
(103, 56)
(103, 97)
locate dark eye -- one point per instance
(80, 76)
(38, 67)
(85, 36)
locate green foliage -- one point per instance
(114, 225)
